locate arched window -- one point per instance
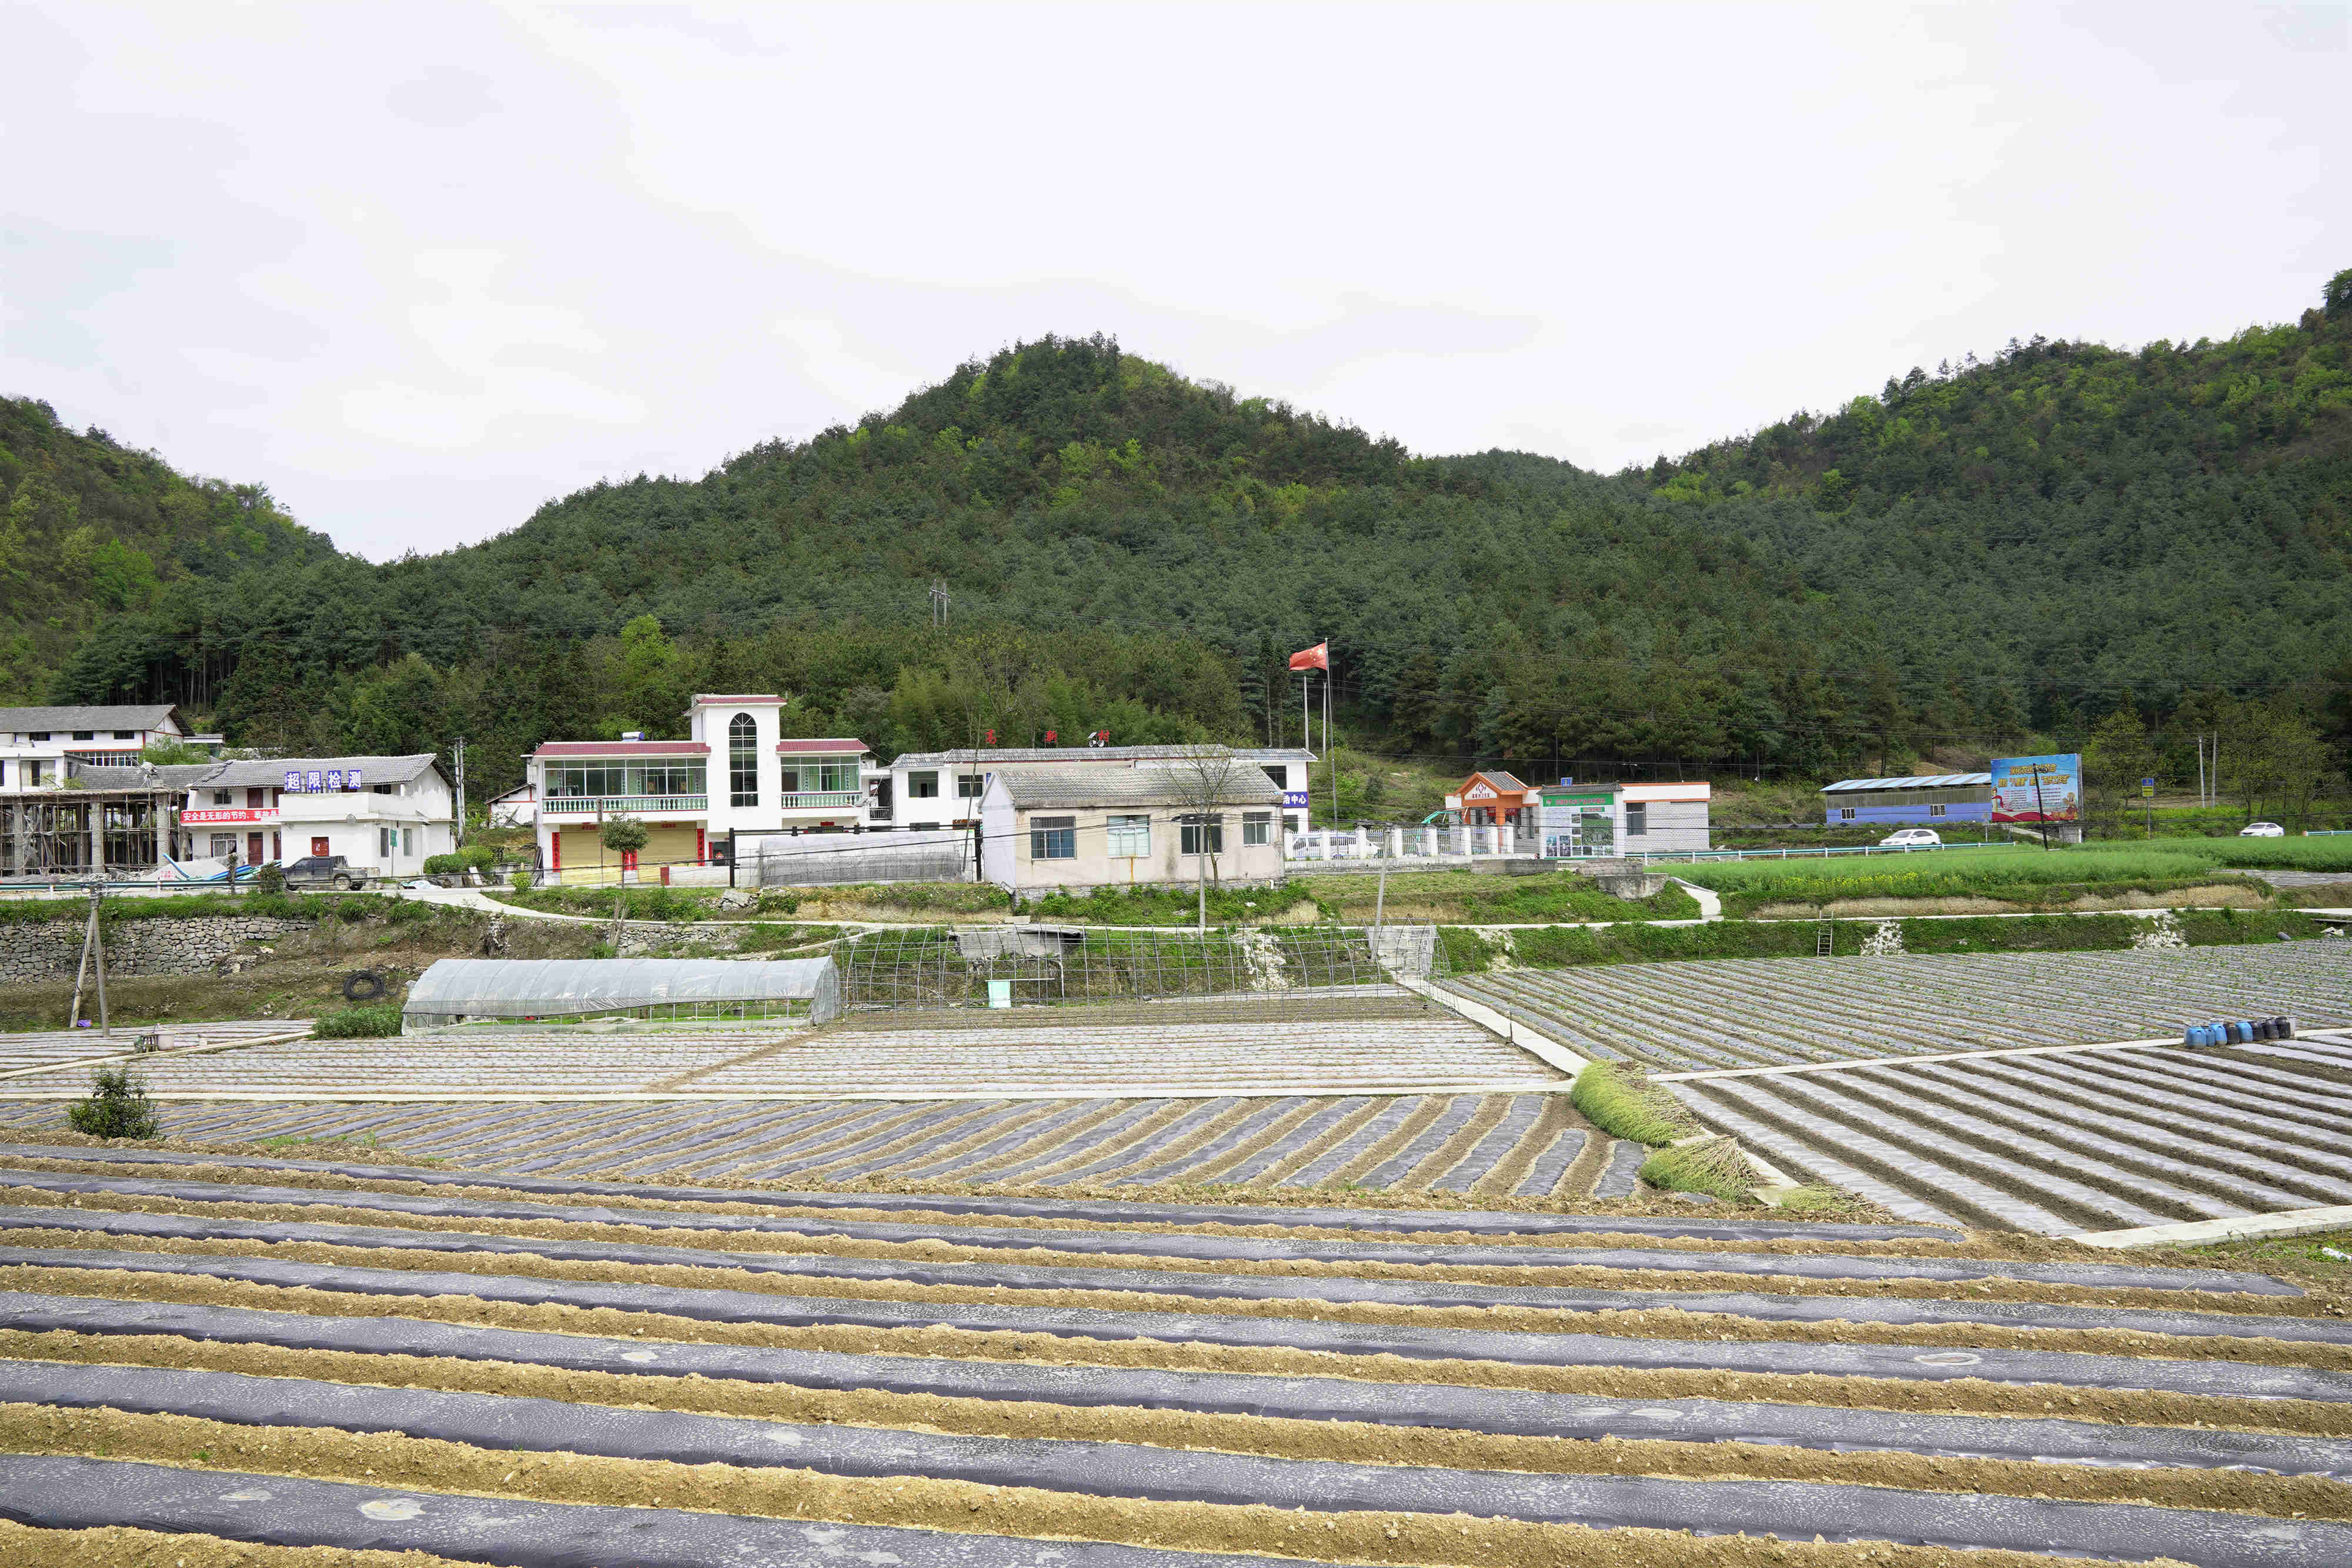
(743, 759)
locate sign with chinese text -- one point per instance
(2038, 788)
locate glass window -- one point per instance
(1637, 817)
(126, 735)
(408, 841)
(85, 735)
(1280, 773)
(1257, 828)
(1203, 835)
(970, 785)
(1130, 837)
(1053, 838)
(1936, 810)
(220, 796)
(837, 776)
(744, 761)
(922, 786)
(1845, 813)
(789, 781)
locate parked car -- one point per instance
(324, 870)
(1911, 839)
(2261, 830)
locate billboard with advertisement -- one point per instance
(2038, 788)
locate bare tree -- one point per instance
(1205, 780)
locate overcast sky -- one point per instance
(419, 268)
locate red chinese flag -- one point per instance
(1318, 657)
(1051, 737)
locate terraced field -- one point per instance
(1757, 1013)
(2059, 1143)
(539, 1371)
(1523, 1145)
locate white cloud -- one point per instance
(418, 277)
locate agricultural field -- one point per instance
(1784, 1012)
(230, 1353)
(2060, 1143)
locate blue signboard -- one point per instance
(1294, 797)
(335, 778)
(312, 780)
(293, 778)
(352, 779)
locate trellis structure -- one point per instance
(998, 975)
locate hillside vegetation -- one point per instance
(1980, 556)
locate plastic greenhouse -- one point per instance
(675, 991)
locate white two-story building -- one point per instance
(734, 774)
(36, 743)
(383, 814)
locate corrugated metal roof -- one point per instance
(1029, 787)
(1918, 781)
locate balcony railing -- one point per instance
(828, 800)
(616, 805)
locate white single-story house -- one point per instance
(1577, 821)
(939, 789)
(1048, 827)
(517, 807)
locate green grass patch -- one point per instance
(1715, 1167)
(1622, 1102)
(765, 938)
(358, 1023)
(1473, 899)
(2001, 871)
(1470, 952)
(203, 905)
(1228, 905)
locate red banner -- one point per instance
(1318, 657)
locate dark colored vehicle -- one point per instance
(324, 870)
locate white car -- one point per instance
(2261, 830)
(1911, 839)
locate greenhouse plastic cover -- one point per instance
(547, 987)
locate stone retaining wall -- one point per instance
(49, 949)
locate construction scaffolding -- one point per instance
(999, 975)
(51, 834)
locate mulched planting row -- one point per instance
(2055, 1144)
(973, 1381)
(1742, 1012)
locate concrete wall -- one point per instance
(48, 950)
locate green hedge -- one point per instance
(199, 905)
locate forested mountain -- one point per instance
(89, 529)
(2001, 546)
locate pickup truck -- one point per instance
(324, 870)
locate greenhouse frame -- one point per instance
(706, 992)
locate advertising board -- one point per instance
(2038, 788)
(1577, 823)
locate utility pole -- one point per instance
(93, 950)
(460, 835)
(2040, 808)
(939, 603)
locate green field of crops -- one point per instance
(1998, 871)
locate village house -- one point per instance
(734, 774)
(37, 743)
(942, 789)
(1048, 827)
(383, 814)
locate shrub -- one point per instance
(271, 879)
(519, 881)
(358, 1023)
(1622, 1102)
(118, 1107)
(443, 865)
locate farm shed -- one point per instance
(1929, 798)
(661, 990)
